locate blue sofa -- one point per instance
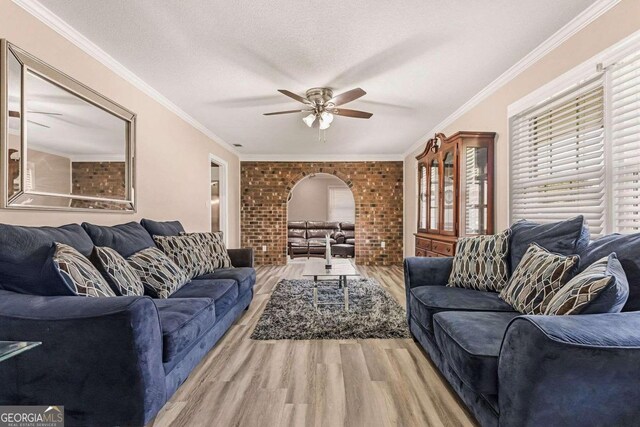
(522, 370)
(109, 361)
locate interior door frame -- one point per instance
(224, 195)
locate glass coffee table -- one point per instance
(8, 349)
(340, 268)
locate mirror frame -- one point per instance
(56, 77)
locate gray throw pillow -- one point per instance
(160, 276)
(117, 272)
(214, 249)
(481, 262)
(600, 288)
(188, 252)
(78, 273)
(537, 278)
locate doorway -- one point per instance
(218, 195)
(320, 204)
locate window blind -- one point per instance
(625, 144)
(557, 158)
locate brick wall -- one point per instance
(377, 190)
(102, 179)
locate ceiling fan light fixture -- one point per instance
(324, 124)
(326, 117)
(308, 120)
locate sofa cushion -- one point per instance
(25, 254)
(224, 293)
(245, 277)
(296, 240)
(481, 262)
(183, 322)
(321, 242)
(425, 301)
(564, 238)
(162, 228)
(300, 225)
(187, 252)
(350, 241)
(122, 278)
(322, 225)
(294, 233)
(126, 239)
(470, 343)
(347, 226)
(320, 233)
(160, 276)
(601, 288)
(537, 278)
(77, 272)
(627, 249)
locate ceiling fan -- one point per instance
(16, 115)
(322, 105)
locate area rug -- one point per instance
(289, 314)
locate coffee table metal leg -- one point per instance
(346, 293)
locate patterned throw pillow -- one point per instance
(481, 262)
(187, 252)
(159, 275)
(79, 274)
(600, 288)
(214, 248)
(539, 275)
(117, 272)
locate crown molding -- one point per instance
(585, 18)
(322, 158)
(54, 22)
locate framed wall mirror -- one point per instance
(64, 146)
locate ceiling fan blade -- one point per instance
(294, 96)
(348, 96)
(39, 124)
(285, 112)
(351, 113)
(45, 112)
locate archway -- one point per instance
(320, 204)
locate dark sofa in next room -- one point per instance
(112, 360)
(514, 370)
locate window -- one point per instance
(341, 204)
(578, 152)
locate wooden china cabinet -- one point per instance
(455, 191)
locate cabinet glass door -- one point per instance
(475, 181)
(449, 194)
(422, 194)
(434, 195)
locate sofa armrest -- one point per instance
(340, 237)
(426, 271)
(100, 357)
(570, 370)
(241, 257)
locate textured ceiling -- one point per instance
(222, 61)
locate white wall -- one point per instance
(173, 166)
(491, 114)
(309, 201)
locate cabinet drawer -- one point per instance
(423, 243)
(421, 252)
(433, 254)
(444, 248)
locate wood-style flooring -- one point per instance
(313, 383)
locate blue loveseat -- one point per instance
(109, 361)
(522, 370)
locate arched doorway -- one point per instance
(320, 204)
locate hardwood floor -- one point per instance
(313, 383)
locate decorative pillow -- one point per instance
(162, 228)
(117, 272)
(600, 288)
(481, 262)
(537, 278)
(78, 273)
(187, 252)
(160, 276)
(214, 248)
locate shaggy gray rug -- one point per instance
(289, 314)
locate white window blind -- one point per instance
(557, 158)
(625, 144)
(341, 205)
